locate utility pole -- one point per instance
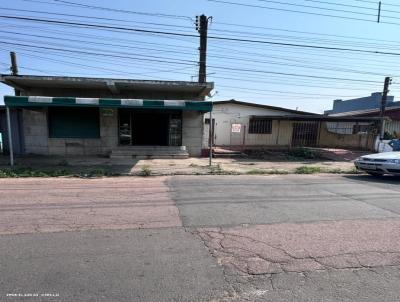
(379, 11)
(202, 28)
(388, 81)
(14, 68)
(14, 71)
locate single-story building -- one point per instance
(392, 113)
(252, 126)
(102, 116)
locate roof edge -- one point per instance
(233, 101)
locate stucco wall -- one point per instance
(192, 132)
(38, 142)
(361, 141)
(227, 114)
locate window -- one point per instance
(260, 126)
(207, 121)
(360, 129)
(73, 122)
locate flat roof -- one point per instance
(26, 82)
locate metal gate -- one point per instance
(305, 134)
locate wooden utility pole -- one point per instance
(202, 28)
(388, 81)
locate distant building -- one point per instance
(369, 102)
(367, 107)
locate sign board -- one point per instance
(236, 128)
(107, 112)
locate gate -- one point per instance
(305, 134)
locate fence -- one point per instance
(286, 134)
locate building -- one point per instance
(252, 126)
(101, 116)
(367, 107)
(365, 103)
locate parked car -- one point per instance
(380, 163)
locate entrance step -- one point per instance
(227, 153)
(149, 152)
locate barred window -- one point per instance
(260, 126)
(360, 129)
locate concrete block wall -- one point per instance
(35, 131)
(37, 139)
(192, 132)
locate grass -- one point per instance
(29, 172)
(145, 171)
(303, 153)
(266, 172)
(307, 170)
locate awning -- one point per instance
(41, 101)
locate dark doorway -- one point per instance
(305, 134)
(150, 129)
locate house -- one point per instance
(103, 116)
(368, 107)
(252, 126)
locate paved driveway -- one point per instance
(205, 238)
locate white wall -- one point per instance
(227, 114)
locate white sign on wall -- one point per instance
(236, 128)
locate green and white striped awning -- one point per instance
(41, 101)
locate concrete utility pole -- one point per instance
(202, 28)
(388, 81)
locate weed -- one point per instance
(307, 170)
(145, 170)
(264, 172)
(303, 152)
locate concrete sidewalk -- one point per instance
(190, 166)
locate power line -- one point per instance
(195, 36)
(70, 3)
(301, 12)
(347, 70)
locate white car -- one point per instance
(380, 163)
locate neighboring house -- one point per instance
(366, 107)
(248, 125)
(392, 125)
(369, 102)
(102, 116)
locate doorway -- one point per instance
(150, 127)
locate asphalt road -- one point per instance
(205, 238)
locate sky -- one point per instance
(276, 52)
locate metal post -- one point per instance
(210, 134)
(10, 142)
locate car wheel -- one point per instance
(375, 174)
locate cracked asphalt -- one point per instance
(200, 238)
